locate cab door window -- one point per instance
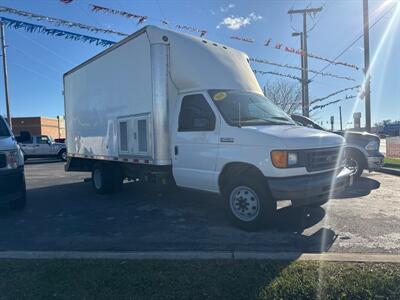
(196, 114)
(42, 140)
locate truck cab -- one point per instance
(12, 178)
(40, 146)
(241, 145)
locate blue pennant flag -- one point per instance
(29, 27)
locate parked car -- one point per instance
(172, 109)
(12, 177)
(40, 146)
(361, 151)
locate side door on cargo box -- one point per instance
(195, 143)
(134, 138)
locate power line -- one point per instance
(353, 42)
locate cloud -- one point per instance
(235, 23)
(226, 8)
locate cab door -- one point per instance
(43, 146)
(195, 143)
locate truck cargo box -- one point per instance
(118, 103)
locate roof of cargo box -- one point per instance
(196, 63)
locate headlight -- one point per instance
(12, 159)
(372, 146)
(284, 159)
(292, 159)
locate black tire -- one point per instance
(102, 179)
(243, 188)
(355, 162)
(63, 155)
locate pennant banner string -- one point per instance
(264, 61)
(332, 102)
(335, 93)
(58, 22)
(29, 27)
(97, 8)
(141, 19)
(268, 43)
(277, 74)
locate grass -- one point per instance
(392, 161)
(211, 279)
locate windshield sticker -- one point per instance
(219, 96)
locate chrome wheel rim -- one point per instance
(244, 203)
(97, 180)
(64, 156)
(352, 165)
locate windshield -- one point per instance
(240, 108)
(3, 128)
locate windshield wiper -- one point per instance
(281, 118)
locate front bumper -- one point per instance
(12, 185)
(375, 161)
(309, 189)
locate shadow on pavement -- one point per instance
(72, 217)
(36, 161)
(360, 188)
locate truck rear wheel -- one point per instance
(249, 204)
(102, 179)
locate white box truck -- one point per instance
(170, 108)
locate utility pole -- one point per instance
(3, 52)
(58, 127)
(340, 116)
(367, 85)
(304, 73)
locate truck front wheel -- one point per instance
(355, 162)
(249, 204)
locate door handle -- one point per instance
(176, 150)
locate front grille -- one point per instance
(3, 160)
(322, 159)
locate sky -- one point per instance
(37, 62)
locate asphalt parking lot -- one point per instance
(64, 213)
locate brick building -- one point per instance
(54, 127)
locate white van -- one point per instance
(170, 108)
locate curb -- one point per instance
(390, 171)
(205, 255)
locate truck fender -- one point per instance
(234, 169)
(360, 152)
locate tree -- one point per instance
(284, 93)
